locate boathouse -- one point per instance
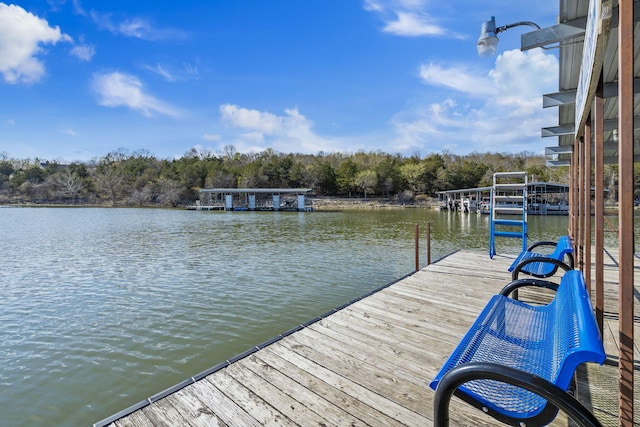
(543, 198)
(255, 199)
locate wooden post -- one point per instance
(417, 238)
(428, 242)
(625, 208)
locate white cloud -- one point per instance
(123, 90)
(407, 18)
(21, 37)
(136, 27)
(291, 132)
(84, 52)
(411, 24)
(174, 74)
(500, 111)
(262, 122)
(211, 137)
(69, 131)
(77, 8)
(162, 72)
(459, 78)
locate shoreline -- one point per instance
(319, 204)
(344, 203)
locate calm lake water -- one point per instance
(102, 308)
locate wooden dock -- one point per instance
(370, 363)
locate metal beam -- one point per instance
(562, 149)
(609, 160)
(566, 30)
(558, 163)
(569, 128)
(554, 34)
(556, 99)
(567, 97)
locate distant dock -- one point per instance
(369, 362)
(254, 199)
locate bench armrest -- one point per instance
(556, 397)
(517, 284)
(544, 243)
(516, 271)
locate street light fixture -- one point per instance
(488, 40)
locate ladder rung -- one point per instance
(502, 209)
(516, 234)
(511, 186)
(511, 222)
(509, 174)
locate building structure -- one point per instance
(544, 198)
(255, 199)
(598, 120)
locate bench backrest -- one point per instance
(577, 337)
(563, 247)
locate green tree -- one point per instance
(346, 175)
(366, 181)
(413, 174)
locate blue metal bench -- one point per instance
(543, 265)
(517, 360)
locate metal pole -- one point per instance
(598, 112)
(581, 202)
(625, 208)
(428, 242)
(573, 190)
(586, 240)
(417, 238)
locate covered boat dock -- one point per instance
(544, 198)
(255, 199)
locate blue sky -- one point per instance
(79, 79)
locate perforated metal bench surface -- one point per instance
(548, 341)
(542, 269)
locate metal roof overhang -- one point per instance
(570, 62)
(602, 65)
(256, 190)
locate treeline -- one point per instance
(123, 178)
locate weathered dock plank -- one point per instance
(370, 363)
(352, 410)
(194, 409)
(249, 400)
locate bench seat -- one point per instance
(538, 264)
(511, 339)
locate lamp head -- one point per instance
(488, 40)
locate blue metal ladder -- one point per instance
(508, 208)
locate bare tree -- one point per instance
(109, 182)
(67, 184)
